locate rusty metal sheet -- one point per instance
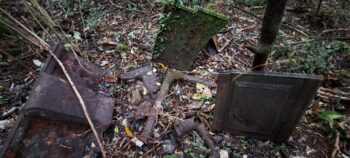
(37, 137)
(263, 105)
(54, 98)
(52, 123)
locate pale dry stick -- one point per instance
(25, 28)
(82, 103)
(284, 24)
(336, 146)
(226, 44)
(333, 30)
(144, 155)
(120, 7)
(30, 9)
(21, 34)
(77, 58)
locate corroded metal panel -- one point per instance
(52, 123)
(263, 105)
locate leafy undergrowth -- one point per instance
(119, 36)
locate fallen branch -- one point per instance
(172, 75)
(169, 78)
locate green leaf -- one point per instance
(170, 156)
(123, 47)
(330, 115)
(77, 35)
(116, 130)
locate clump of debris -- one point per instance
(180, 85)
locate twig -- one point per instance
(284, 24)
(25, 28)
(77, 58)
(330, 95)
(82, 103)
(8, 113)
(225, 45)
(30, 9)
(290, 26)
(333, 30)
(336, 146)
(120, 7)
(151, 150)
(20, 33)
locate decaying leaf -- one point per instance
(198, 96)
(128, 131)
(204, 90)
(110, 79)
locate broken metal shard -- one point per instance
(52, 123)
(264, 105)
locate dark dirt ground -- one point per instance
(134, 24)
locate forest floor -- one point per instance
(119, 35)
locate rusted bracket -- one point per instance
(191, 124)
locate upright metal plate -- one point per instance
(263, 105)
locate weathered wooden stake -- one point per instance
(272, 20)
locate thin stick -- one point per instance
(120, 7)
(30, 9)
(284, 24)
(336, 146)
(226, 44)
(25, 28)
(20, 33)
(82, 103)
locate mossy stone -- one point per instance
(183, 33)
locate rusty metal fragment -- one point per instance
(52, 123)
(135, 73)
(191, 124)
(183, 34)
(148, 77)
(264, 105)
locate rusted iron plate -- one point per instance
(263, 105)
(53, 123)
(183, 34)
(36, 137)
(54, 98)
